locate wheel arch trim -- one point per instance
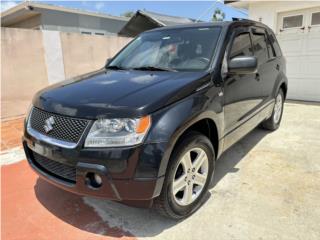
(181, 130)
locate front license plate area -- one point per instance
(40, 149)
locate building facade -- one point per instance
(48, 17)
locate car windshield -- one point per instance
(185, 49)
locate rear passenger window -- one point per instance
(241, 46)
(260, 49)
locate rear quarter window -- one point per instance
(275, 44)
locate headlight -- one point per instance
(118, 132)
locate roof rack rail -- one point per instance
(241, 19)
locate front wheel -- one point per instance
(273, 122)
(188, 176)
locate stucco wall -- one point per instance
(83, 53)
(23, 69)
(32, 59)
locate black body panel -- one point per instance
(110, 93)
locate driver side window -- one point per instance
(241, 46)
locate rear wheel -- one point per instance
(273, 122)
(188, 175)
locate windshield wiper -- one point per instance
(153, 68)
(115, 67)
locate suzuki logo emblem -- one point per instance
(49, 124)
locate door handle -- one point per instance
(257, 76)
(278, 67)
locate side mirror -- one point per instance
(243, 65)
(108, 61)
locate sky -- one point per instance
(201, 10)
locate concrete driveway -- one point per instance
(266, 187)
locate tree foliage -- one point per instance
(128, 14)
(218, 15)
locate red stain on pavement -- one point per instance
(35, 210)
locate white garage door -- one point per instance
(299, 36)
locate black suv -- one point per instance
(148, 128)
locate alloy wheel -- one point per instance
(190, 176)
(277, 109)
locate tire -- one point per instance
(274, 121)
(178, 206)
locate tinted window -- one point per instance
(271, 50)
(260, 47)
(275, 44)
(241, 46)
(185, 49)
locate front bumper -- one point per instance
(126, 173)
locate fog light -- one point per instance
(98, 179)
(93, 180)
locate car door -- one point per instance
(242, 92)
(268, 64)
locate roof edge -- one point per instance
(239, 3)
(152, 18)
(59, 8)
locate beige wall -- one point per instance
(25, 69)
(84, 53)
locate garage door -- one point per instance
(299, 36)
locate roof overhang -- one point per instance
(26, 10)
(17, 14)
(238, 4)
(145, 20)
(138, 23)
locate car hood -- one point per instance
(124, 93)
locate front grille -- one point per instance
(64, 128)
(54, 168)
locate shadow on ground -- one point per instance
(119, 220)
